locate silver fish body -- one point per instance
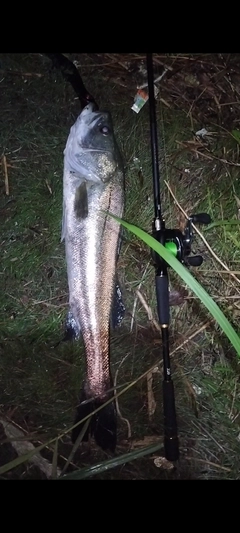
(93, 185)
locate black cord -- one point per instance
(71, 74)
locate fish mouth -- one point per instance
(90, 107)
(90, 115)
(95, 150)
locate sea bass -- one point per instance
(93, 185)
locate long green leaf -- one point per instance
(23, 458)
(99, 468)
(189, 280)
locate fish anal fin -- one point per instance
(118, 307)
(72, 328)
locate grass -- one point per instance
(40, 380)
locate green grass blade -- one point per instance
(100, 468)
(236, 135)
(76, 445)
(232, 222)
(22, 459)
(193, 284)
(55, 460)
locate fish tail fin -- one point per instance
(103, 424)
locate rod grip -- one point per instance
(162, 293)
(171, 443)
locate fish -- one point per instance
(93, 186)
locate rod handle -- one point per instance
(171, 443)
(162, 294)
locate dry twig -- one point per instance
(117, 402)
(4, 163)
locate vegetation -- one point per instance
(199, 136)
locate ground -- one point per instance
(198, 108)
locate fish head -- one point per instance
(91, 150)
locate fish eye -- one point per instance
(105, 130)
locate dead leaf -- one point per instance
(162, 462)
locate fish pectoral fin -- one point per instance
(81, 201)
(103, 425)
(118, 307)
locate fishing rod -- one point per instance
(179, 244)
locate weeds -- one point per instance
(41, 379)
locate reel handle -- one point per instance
(201, 218)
